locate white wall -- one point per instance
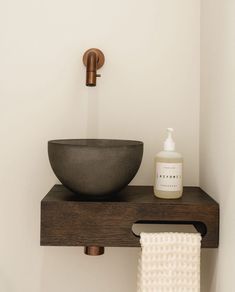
(217, 139)
(150, 81)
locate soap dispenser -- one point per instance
(168, 171)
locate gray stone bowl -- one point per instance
(95, 167)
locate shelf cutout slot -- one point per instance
(168, 226)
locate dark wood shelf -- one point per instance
(70, 220)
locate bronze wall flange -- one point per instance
(99, 54)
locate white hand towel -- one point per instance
(169, 262)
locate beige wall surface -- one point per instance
(150, 81)
(217, 139)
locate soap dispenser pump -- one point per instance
(168, 171)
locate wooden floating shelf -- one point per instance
(70, 220)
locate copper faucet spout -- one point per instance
(91, 69)
(93, 59)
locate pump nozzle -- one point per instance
(169, 144)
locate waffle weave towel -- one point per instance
(169, 262)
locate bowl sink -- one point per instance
(95, 167)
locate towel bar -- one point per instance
(69, 220)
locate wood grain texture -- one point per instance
(70, 220)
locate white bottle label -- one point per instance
(168, 176)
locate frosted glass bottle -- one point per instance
(168, 171)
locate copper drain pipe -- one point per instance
(94, 250)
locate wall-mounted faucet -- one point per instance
(93, 59)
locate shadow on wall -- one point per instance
(114, 271)
(5, 283)
(208, 269)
